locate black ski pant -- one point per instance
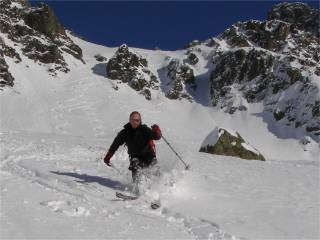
(141, 162)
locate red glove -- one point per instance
(107, 159)
(156, 129)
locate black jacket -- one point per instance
(137, 140)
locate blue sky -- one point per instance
(149, 24)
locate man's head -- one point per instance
(135, 119)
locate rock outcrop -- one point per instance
(274, 62)
(229, 143)
(5, 76)
(38, 33)
(180, 77)
(133, 70)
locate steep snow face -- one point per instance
(273, 62)
(56, 130)
(65, 105)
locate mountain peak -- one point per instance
(297, 13)
(43, 19)
(36, 33)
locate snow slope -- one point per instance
(55, 132)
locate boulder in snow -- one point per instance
(228, 142)
(100, 58)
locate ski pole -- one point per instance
(186, 165)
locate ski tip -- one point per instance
(155, 205)
(126, 197)
(187, 167)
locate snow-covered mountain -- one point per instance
(63, 100)
(34, 33)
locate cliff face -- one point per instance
(35, 33)
(275, 62)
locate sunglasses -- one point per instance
(135, 120)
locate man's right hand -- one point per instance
(107, 159)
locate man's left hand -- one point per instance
(156, 129)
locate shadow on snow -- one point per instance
(85, 179)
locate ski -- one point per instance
(125, 197)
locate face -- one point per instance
(135, 120)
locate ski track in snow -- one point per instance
(79, 194)
(81, 189)
(78, 105)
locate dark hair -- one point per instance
(135, 112)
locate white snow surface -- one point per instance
(212, 138)
(55, 132)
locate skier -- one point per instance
(139, 140)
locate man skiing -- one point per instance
(139, 140)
